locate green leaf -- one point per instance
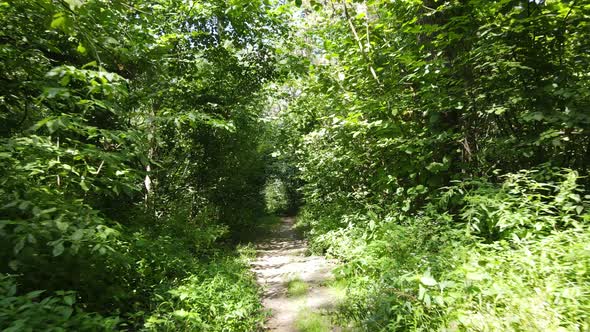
(74, 4)
(421, 292)
(84, 186)
(13, 265)
(428, 280)
(47, 211)
(77, 235)
(538, 116)
(61, 225)
(64, 81)
(34, 294)
(81, 49)
(19, 246)
(55, 92)
(90, 64)
(67, 312)
(59, 21)
(427, 300)
(69, 299)
(475, 276)
(58, 249)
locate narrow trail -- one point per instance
(281, 258)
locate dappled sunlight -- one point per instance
(290, 280)
(294, 165)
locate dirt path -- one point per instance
(280, 260)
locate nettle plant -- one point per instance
(528, 203)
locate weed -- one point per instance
(514, 257)
(297, 287)
(312, 322)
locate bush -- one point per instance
(151, 276)
(528, 203)
(222, 296)
(34, 312)
(516, 257)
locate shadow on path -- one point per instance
(281, 258)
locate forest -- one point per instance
(437, 150)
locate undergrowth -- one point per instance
(513, 256)
(163, 278)
(222, 296)
(312, 322)
(297, 287)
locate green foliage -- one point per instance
(433, 270)
(312, 322)
(275, 196)
(128, 151)
(263, 227)
(441, 150)
(220, 297)
(35, 311)
(297, 287)
(524, 206)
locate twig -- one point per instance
(99, 167)
(360, 43)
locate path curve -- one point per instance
(280, 258)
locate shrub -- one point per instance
(297, 287)
(516, 257)
(528, 203)
(35, 312)
(222, 296)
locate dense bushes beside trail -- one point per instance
(35, 311)
(442, 149)
(440, 271)
(129, 157)
(220, 296)
(164, 277)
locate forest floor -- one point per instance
(295, 287)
